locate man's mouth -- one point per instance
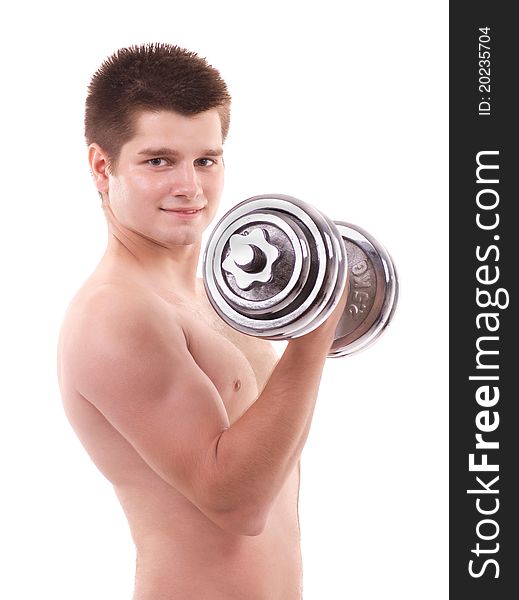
(183, 211)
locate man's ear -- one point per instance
(98, 160)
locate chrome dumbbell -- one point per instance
(275, 267)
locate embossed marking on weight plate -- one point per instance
(359, 299)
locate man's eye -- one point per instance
(205, 162)
(156, 162)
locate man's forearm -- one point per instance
(253, 458)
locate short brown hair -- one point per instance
(149, 77)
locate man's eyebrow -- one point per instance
(213, 152)
(164, 151)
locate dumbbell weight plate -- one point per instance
(373, 292)
(307, 277)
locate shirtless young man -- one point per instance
(199, 428)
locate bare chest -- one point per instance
(238, 365)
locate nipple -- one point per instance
(237, 385)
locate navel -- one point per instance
(237, 385)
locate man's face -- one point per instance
(169, 177)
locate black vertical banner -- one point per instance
(484, 256)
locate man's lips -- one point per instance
(183, 211)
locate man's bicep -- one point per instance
(140, 375)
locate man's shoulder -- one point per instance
(120, 312)
(108, 299)
(121, 325)
(121, 294)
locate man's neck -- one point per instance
(173, 269)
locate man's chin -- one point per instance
(178, 241)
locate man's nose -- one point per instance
(185, 181)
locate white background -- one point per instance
(343, 104)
